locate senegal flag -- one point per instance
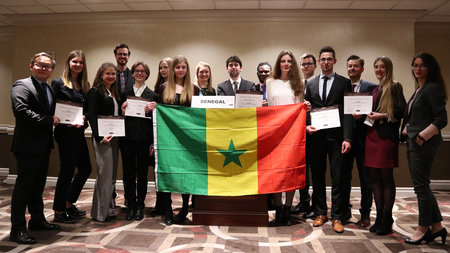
(230, 152)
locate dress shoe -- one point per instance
(111, 217)
(311, 215)
(139, 214)
(22, 237)
(65, 218)
(130, 213)
(300, 208)
(181, 216)
(364, 221)
(442, 233)
(337, 226)
(278, 213)
(378, 220)
(168, 221)
(42, 225)
(386, 225)
(287, 216)
(425, 237)
(320, 220)
(74, 211)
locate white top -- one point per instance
(279, 92)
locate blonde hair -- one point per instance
(206, 65)
(387, 103)
(169, 95)
(295, 77)
(82, 77)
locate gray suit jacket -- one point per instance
(226, 89)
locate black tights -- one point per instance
(383, 188)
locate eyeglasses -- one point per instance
(417, 66)
(307, 64)
(329, 59)
(39, 65)
(140, 72)
(122, 54)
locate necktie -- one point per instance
(122, 82)
(44, 87)
(235, 86)
(353, 87)
(324, 90)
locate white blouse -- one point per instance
(279, 92)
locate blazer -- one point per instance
(33, 132)
(226, 89)
(387, 129)
(177, 100)
(366, 86)
(140, 129)
(427, 108)
(98, 104)
(335, 97)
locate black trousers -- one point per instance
(305, 197)
(73, 152)
(31, 176)
(321, 147)
(135, 171)
(420, 159)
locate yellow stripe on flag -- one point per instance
(232, 151)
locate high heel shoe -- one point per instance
(442, 233)
(425, 237)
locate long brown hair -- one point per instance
(160, 80)
(100, 85)
(169, 95)
(294, 74)
(82, 77)
(434, 70)
(387, 100)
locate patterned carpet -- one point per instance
(151, 235)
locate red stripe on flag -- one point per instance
(281, 148)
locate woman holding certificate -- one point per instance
(204, 79)
(137, 141)
(72, 147)
(425, 116)
(178, 90)
(284, 88)
(381, 154)
(103, 99)
(163, 72)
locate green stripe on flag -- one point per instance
(181, 149)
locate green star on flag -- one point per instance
(232, 155)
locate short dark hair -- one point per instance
(34, 58)
(146, 68)
(262, 64)
(327, 49)
(235, 59)
(122, 46)
(355, 57)
(307, 55)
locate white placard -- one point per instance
(213, 102)
(114, 126)
(249, 100)
(327, 118)
(136, 108)
(359, 104)
(71, 114)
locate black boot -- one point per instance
(287, 215)
(386, 225)
(378, 221)
(181, 216)
(279, 214)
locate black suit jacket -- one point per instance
(427, 108)
(360, 129)
(98, 104)
(226, 89)
(335, 97)
(140, 129)
(34, 118)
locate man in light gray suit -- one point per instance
(236, 82)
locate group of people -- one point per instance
(371, 139)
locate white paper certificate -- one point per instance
(69, 113)
(326, 118)
(109, 125)
(247, 100)
(213, 102)
(359, 104)
(136, 108)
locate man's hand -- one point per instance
(310, 129)
(55, 120)
(346, 146)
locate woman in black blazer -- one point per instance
(72, 147)
(425, 116)
(381, 154)
(136, 143)
(103, 99)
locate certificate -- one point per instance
(358, 103)
(324, 118)
(69, 112)
(136, 107)
(226, 102)
(247, 99)
(111, 125)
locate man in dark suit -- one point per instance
(236, 82)
(263, 71)
(124, 78)
(355, 67)
(33, 107)
(324, 91)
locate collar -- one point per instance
(329, 76)
(238, 80)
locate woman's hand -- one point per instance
(310, 129)
(124, 107)
(150, 106)
(376, 115)
(308, 105)
(106, 139)
(357, 116)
